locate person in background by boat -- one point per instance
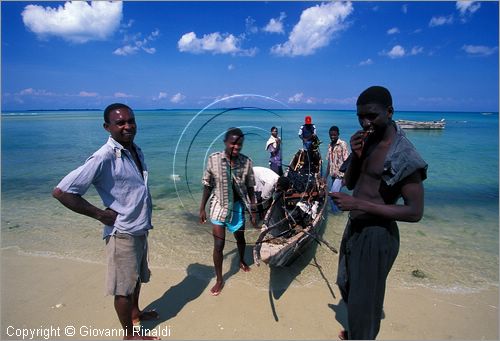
(307, 133)
(228, 181)
(308, 159)
(273, 146)
(119, 174)
(338, 152)
(384, 166)
(265, 181)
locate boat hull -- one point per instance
(407, 124)
(288, 231)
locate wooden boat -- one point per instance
(295, 216)
(407, 124)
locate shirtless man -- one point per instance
(384, 167)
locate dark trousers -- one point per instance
(276, 168)
(367, 252)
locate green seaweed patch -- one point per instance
(420, 233)
(15, 226)
(418, 273)
(157, 208)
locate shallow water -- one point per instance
(455, 245)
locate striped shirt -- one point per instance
(220, 177)
(337, 154)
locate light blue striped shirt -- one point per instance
(120, 185)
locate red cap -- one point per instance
(308, 119)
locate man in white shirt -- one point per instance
(265, 181)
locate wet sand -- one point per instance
(41, 293)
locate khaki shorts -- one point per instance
(127, 258)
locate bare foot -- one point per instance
(343, 335)
(146, 316)
(217, 288)
(244, 267)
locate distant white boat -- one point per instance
(407, 124)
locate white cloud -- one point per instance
(250, 25)
(416, 50)
(76, 21)
(177, 98)
(466, 7)
(366, 62)
(297, 98)
(155, 34)
(87, 94)
(231, 67)
(393, 30)
(300, 98)
(479, 50)
(275, 25)
(161, 95)
(214, 43)
(28, 91)
(135, 43)
(435, 99)
(348, 100)
(150, 50)
(35, 92)
(397, 51)
(122, 95)
(440, 21)
(126, 50)
(315, 29)
(128, 24)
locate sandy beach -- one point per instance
(52, 295)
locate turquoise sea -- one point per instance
(455, 245)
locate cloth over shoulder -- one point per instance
(271, 141)
(402, 160)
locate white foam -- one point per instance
(48, 254)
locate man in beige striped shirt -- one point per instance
(228, 181)
(338, 152)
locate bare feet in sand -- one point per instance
(146, 316)
(244, 267)
(217, 288)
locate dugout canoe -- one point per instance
(295, 217)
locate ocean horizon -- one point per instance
(455, 245)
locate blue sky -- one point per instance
(436, 56)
